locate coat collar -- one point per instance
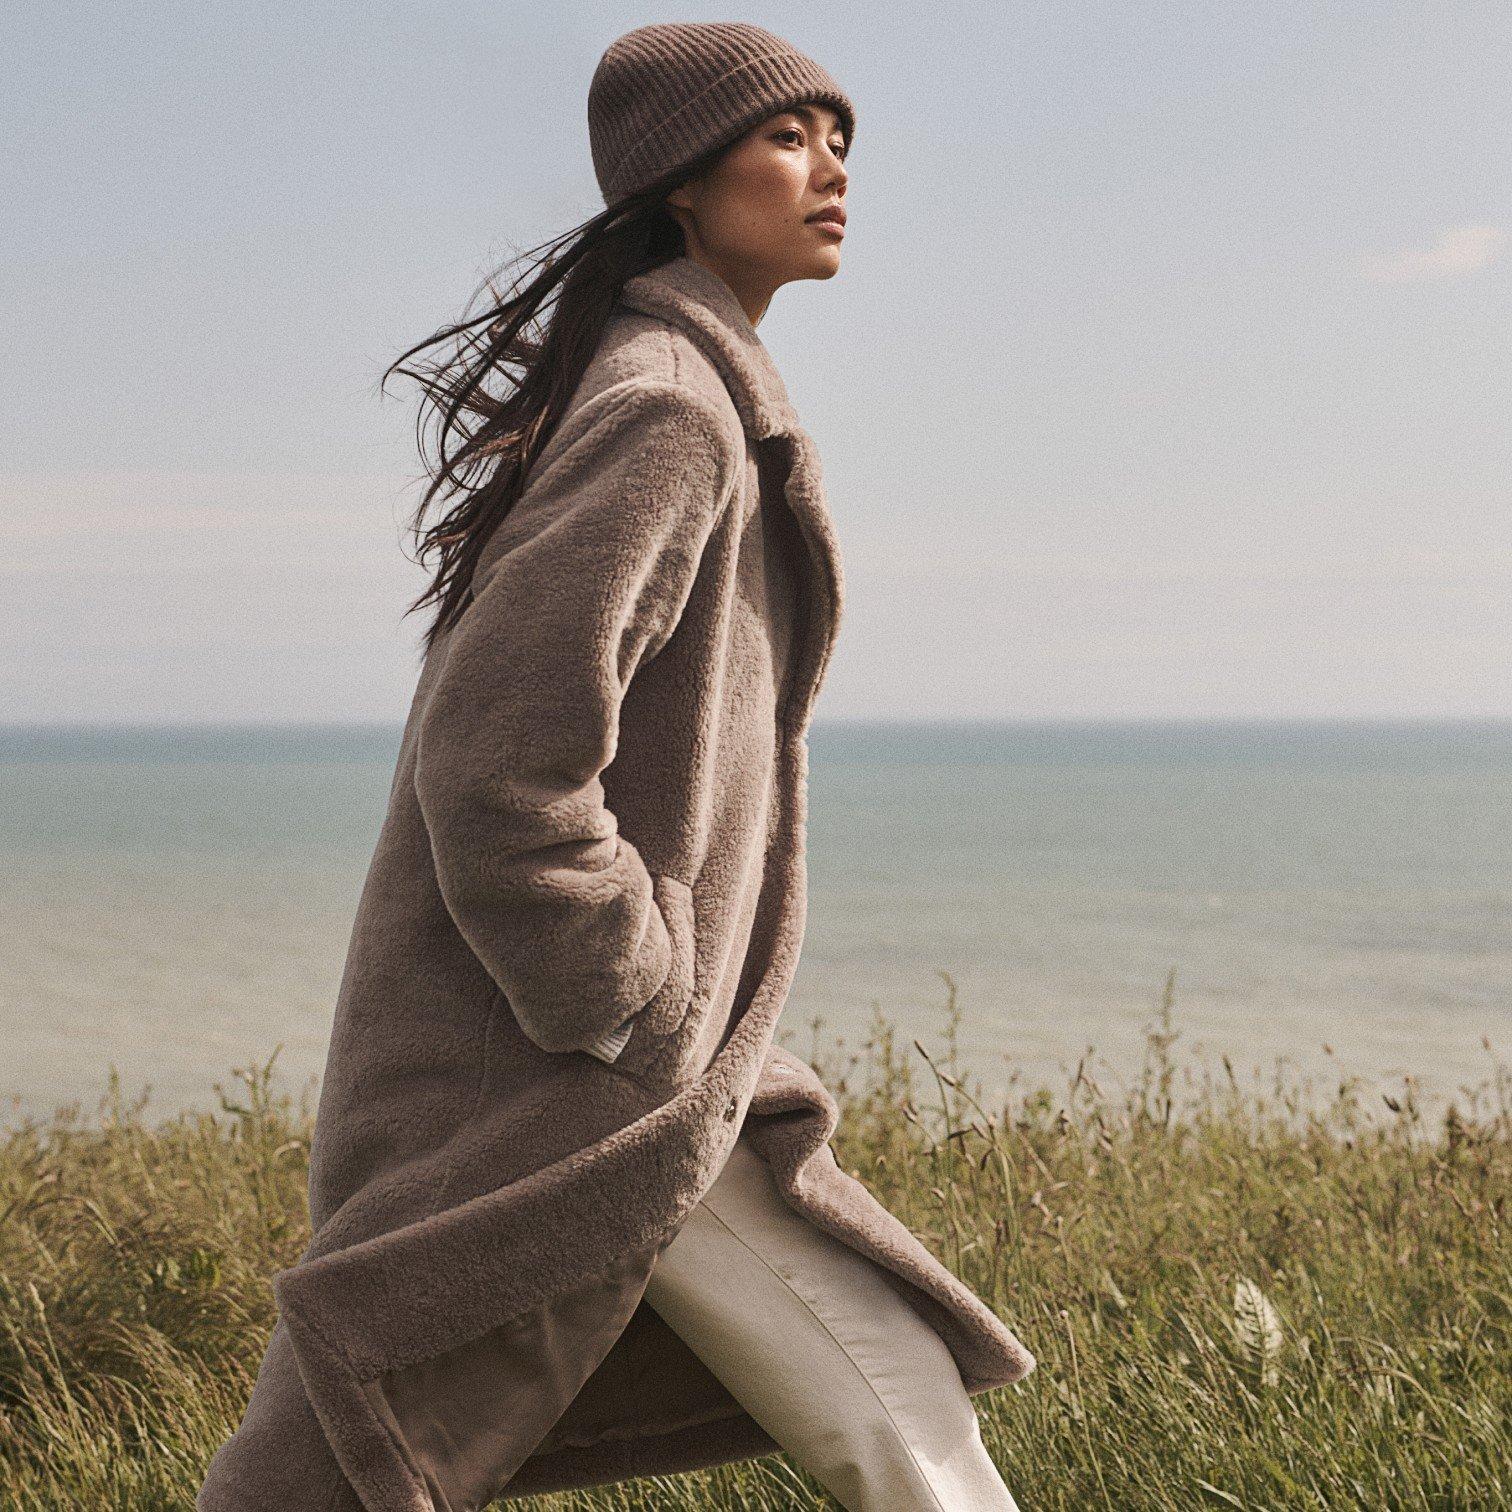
(702, 304)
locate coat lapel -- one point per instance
(703, 306)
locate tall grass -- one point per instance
(1241, 1293)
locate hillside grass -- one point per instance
(1242, 1292)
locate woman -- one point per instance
(575, 1216)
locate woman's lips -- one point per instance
(829, 224)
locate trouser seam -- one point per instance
(870, 1384)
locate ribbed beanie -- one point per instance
(663, 95)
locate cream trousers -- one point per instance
(806, 1335)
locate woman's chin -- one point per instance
(821, 262)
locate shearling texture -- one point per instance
(597, 825)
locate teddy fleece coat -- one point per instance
(571, 951)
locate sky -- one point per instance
(1166, 374)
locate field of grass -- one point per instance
(1243, 1291)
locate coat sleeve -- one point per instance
(599, 557)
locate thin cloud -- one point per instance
(1459, 249)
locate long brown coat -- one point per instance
(596, 827)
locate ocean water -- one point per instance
(178, 902)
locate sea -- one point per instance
(1329, 901)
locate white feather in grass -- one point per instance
(1257, 1331)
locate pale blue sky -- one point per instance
(1167, 372)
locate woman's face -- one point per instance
(749, 217)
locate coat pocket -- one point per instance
(636, 1039)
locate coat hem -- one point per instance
(472, 1269)
(462, 1276)
(374, 1462)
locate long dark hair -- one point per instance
(538, 339)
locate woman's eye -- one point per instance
(792, 131)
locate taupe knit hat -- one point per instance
(662, 95)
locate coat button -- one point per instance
(731, 1109)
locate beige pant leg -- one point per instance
(806, 1335)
